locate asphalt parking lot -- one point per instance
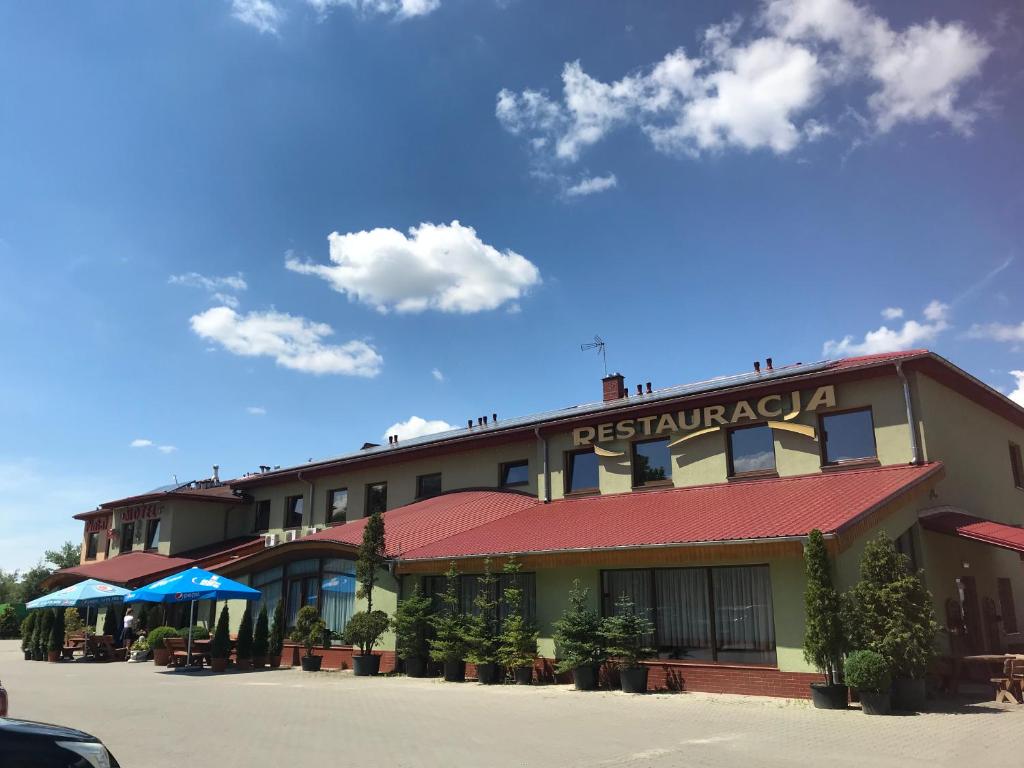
(155, 718)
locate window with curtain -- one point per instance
(262, 516)
(293, 512)
(269, 584)
(92, 544)
(153, 533)
(337, 593)
(715, 614)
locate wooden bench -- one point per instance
(1010, 684)
(178, 646)
(102, 648)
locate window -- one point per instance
(127, 536)
(1006, 605)
(428, 485)
(905, 546)
(1016, 466)
(328, 584)
(263, 516)
(714, 614)
(515, 473)
(652, 463)
(293, 512)
(751, 451)
(848, 436)
(337, 506)
(581, 471)
(376, 498)
(469, 586)
(153, 533)
(92, 545)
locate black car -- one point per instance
(24, 744)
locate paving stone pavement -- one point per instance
(154, 718)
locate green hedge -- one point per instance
(155, 639)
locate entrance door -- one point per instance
(968, 592)
(302, 591)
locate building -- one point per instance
(695, 500)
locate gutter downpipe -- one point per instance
(547, 475)
(915, 447)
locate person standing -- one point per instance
(128, 631)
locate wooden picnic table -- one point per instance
(995, 665)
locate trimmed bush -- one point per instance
(410, 625)
(28, 628)
(220, 648)
(868, 671)
(43, 625)
(199, 632)
(243, 647)
(482, 627)
(625, 634)
(364, 630)
(55, 642)
(155, 639)
(261, 635)
(309, 629)
(578, 633)
(824, 640)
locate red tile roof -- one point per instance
(881, 357)
(221, 493)
(975, 528)
(760, 509)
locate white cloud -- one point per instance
(911, 335)
(293, 342)
(166, 448)
(263, 15)
(400, 9)
(443, 267)
(436, 373)
(592, 185)
(764, 91)
(141, 442)
(220, 289)
(414, 426)
(892, 313)
(1017, 395)
(256, 410)
(997, 332)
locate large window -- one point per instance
(713, 614)
(293, 512)
(376, 498)
(848, 436)
(328, 584)
(751, 451)
(1016, 465)
(337, 506)
(153, 533)
(263, 516)
(92, 545)
(581, 471)
(127, 537)
(515, 473)
(652, 463)
(469, 586)
(428, 486)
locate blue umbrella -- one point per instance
(189, 586)
(83, 594)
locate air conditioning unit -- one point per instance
(271, 540)
(311, 530)
(291, 535)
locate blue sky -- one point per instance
(710, 184)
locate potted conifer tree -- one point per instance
(410, 625)
(111, 622)
(450, 644)
(824, 638)
(55, 641)
(625, 636)
(482, 627)
(309, 632)
(243, 644)
(890, 611)
(260, 639)
(578, 639)
(28, 628)
(868, 672)
(220, 646)
(277, 635)
(368, 626)
(517, 644)
(42, 634)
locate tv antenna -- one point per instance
(599, 345)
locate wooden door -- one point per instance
(968, 592)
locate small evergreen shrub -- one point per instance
(199, 632)
(309, 629)
(450, 641)
(155, 638)
(482, 628)
(243, 646)
(277, 632)
(220, 647)
(625, 634)
(55, 642)
(364, 630)
(517, 644)
(411, 624)
(824, 639)
(43, 625)
(28, 628)
(868, 671)
(370, 558)
(578, 633)
(261, 635)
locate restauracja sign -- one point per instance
(778, 409)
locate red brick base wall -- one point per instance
(338, 657)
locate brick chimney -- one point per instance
(614, 387)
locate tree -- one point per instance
(578, 632)
(625, 634)
(824, 641)
(31, 584)
(261, 635)
(517, 645)
(370, 558)
(28, 629)
(10, 588)
(220, 646)
(449, 641)
(410, 624)
(364, 629)
(8, 621)
(110, 621)
(243, 648)
(890, 611)
(56, 640)
(68, 555)
(41, 634)
(482, 627)
(72, 621)
(277, 632)
(309, 628)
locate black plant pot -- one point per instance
(909, 695)
(829, 696)
(585, 677)
(367, 665)
(416, 667)
(524, 675)
(38, 656)
(455, 671)
(28, 655)
(875, 703)
(487, 674)
(312, 663)
(633, 679)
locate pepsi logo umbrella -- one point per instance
(83, 594)
(193, 584)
